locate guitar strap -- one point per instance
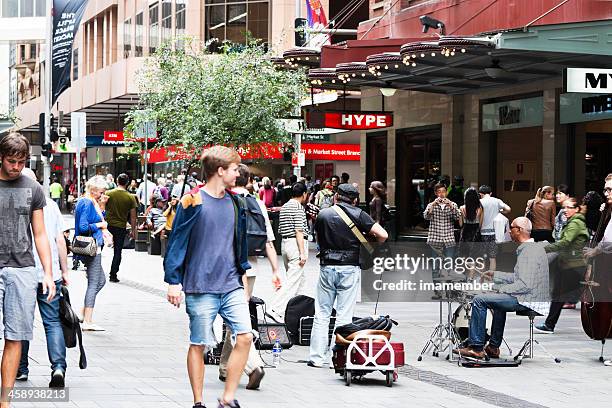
(354, 229)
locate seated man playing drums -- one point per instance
(526, 288)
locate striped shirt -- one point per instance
(292, 218)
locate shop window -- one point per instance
(139, 32)
(376, 163)
(232, 20)
(153, 27)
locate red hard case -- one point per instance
(339, 356)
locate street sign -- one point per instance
(315, 138)
(78, 130)
(298, 126)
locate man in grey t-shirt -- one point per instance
(21, 201)
(491, 206)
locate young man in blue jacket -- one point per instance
(207, 255)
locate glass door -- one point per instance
(418, 162)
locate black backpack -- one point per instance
(366, 323)
(71, 326)
(257, 235)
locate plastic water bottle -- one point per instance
(276, 353)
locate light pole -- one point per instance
(48, 97)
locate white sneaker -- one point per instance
(91, 327)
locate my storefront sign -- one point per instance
(585, 107)
(358, 120)
(588, 80)
(515, 114)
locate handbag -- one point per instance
(84, 245)
(71, 327)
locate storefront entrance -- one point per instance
(418, 160)
(519, 167)
(376, 163)
(598, 160)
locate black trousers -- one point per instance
(118, 238)
(566, 288)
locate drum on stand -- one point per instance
(461, 321)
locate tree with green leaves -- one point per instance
(234, 98)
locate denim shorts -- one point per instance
(490, 246)
(202, 310)
(17, 302)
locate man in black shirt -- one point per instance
(340, 274)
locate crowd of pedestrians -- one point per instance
(218, 232)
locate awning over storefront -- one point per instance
(459, 65)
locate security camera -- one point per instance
(429, 22)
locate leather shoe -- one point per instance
(470, 352)
(255, 378)
(492, 352)
(114, 279)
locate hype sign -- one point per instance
(358, 120)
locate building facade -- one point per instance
(478, 93)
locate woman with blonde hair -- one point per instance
(89, 221)
(541, 212)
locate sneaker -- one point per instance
(492, 352)
(232, 404)
(222, 377)
(543, 328)
(199, 405)
(91, 327)
(312, 364)
(21, 377)
(255, 378)
(57, 379)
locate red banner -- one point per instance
(313, 151)
(358, 120)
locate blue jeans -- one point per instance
(500, 304)
(339, 283)
(446, 251)
(202, 310)
(56, 348)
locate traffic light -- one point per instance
(300, 34)
(47, 150)
(54, 134)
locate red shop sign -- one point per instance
(113, 136)
(322, 151)
(358, 120)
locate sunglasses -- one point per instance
(607, 190)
